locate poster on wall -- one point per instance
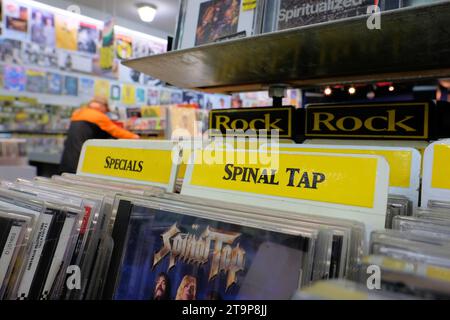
(86, 87)
(88, 36)
(129, 75)
(148, 47)
(71, 86)
(72, 61)
(42, 27)
(101, 88)
(111, 71)
(39, 55)
(153, 97)
(124, 46)
(176, 97)
(35, 81)
(115, 92)
(54, 83)
(165, 96)
(16, 20)
(66, 33)
(14, 78)
(146, 80)
(128, 94)
(10, 51)
(140, 95)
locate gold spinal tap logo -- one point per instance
(194, 249)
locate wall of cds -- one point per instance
(59, 57)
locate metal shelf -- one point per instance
(413, 43)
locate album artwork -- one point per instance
(71, 86)
(88, 37)
(54, 83)
(72, 61)
(35, 54)
(14, 78)
(115, 92)
(153, 97)
(35, 81)
(128, 94)
(42, 27)
(16, 19)
(107, 67)
(86, 87)
(140, 95)
(165, 96)
(217, 19)
(101, 88)
(10, 51)
(176, 97)
(129, 75)
(124, 46)
(296, 13)
(147, 47)
(173, 256)
(183, 121)
(66, 33)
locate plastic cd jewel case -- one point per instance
(128, 239)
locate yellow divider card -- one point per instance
(441, 167)
(399, 160)
(342, 180)
(436, 172)
(146, 162)
(404, 163)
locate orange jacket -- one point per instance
(102, 121)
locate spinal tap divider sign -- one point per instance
(436, 172)
(143, 162)
(404, 164)
(337, 185)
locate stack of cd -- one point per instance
(13, 152)
(414, 257)
(73, 237)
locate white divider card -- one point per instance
(404, 163)
(153, 163)
(344, 186)
(436, 172)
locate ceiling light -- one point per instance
(327, 91)
(391, 88)
(351, 90)
(147, 12)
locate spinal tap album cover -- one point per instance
(171, 256)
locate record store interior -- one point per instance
(225, 150)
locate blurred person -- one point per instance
(89, 122)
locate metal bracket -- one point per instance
(277, 92)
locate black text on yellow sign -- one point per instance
(297, 177)
(398, 120)
(268, 119)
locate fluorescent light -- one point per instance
(146, 12)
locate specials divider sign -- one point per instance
(143, 162)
